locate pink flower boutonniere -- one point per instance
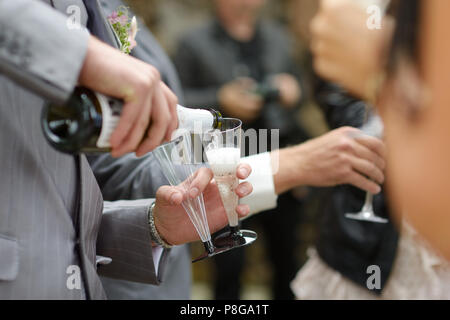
(125, 28)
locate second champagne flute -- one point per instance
(223, 152)
(374, 128)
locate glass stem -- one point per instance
(368, 206)
(209, 246)
(235, 231)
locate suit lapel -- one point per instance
(89, 200)
(89, 219)
(98, 23)
(89, 204)
(91, 15)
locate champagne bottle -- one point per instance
(84, 123)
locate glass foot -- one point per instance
(210, 251)
(366, 216)
(234, 238)
(226, 241)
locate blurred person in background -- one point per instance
(410, 269)
(243, 66)
(414, 103)
(345, 248)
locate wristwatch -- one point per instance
(154, 234)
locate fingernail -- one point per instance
(378, 189)
(193, 192)
(243, 171)
(243, 190)
(174, 197)
(243, 210)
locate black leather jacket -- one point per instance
(350, 246)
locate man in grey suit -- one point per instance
(130, 177)
(52, 230)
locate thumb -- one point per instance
(169, 196)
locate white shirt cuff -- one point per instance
(263, 196)
(157, 254)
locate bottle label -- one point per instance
(189, 119)
(111, 110)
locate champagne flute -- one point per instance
(223, 152)
(178, 164)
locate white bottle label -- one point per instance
(111, 110)
(194, 120)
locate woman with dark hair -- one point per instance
(415, 106)
(348, 53)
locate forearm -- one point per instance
(100, 71)
(38, 50)
(124, 236)
(273, 174)
(287, 169)
(325, 161)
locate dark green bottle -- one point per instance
(84, 123)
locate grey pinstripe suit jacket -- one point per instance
(42, 232)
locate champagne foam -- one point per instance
(223, 162)
(227, 185)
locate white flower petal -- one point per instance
(134, 27)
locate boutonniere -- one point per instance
(125, 28)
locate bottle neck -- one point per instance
(198, 120)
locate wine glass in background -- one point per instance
(223, 153)
(373, 127)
